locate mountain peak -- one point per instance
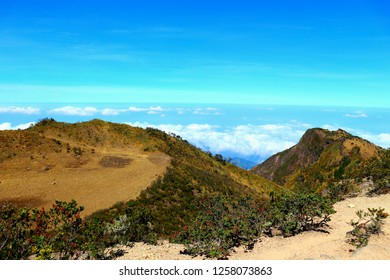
(318, 151)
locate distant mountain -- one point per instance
(243, 163)
(321, 157)
(99, 164)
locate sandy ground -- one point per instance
(95, 180)
(306, 246)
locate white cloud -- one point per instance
(111, 112)
(381, 139)
(5, 126)
(253, 140)
(246, 140)
(74, 111)
(137, 109)
(358, 114)
(158, 108)
(20, 110)
(8, 126)
(206, 111)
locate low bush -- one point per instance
(221, 225)
(133, 226)
(341, 190)
(25, 232)
(368, 223)
(224, 223)
(15, 233)
(295, 213)
(60, 233)
(381, 186)
(96, 239)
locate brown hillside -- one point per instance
(321, 156)
(87, 162)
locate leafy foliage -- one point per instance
(295, 213)
(381, 186)
(15, 232)
(221, 225)
(368, 223)
(25, 233)
(134, 226)
(340, 190)
(96, 239)
(225, 223)
(60, 233)
(379, 171)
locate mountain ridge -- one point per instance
(319, 158)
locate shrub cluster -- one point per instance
(60, 233)
(38, 232)
(295, 213)
(381, 186)
(224, 223)
(221, 225)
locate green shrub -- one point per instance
(25, 232)
(96, 239)
(15, 233)
(381, 186)
(295, 213)
(221, 225)
(64, 227)
(368, 223)
(134, 226)
(341, 190)
(138, 225)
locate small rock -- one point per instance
(351, 205)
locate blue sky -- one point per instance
(257, 52)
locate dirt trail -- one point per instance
(306, 246)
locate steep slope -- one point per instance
(321, 157)
(100, 164)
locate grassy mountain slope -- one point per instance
(99, 163)
(321, 157)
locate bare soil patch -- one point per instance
(32, 202)
(95, 180)
(114, 162)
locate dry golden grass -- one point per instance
(367, 150)
(97, 179)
